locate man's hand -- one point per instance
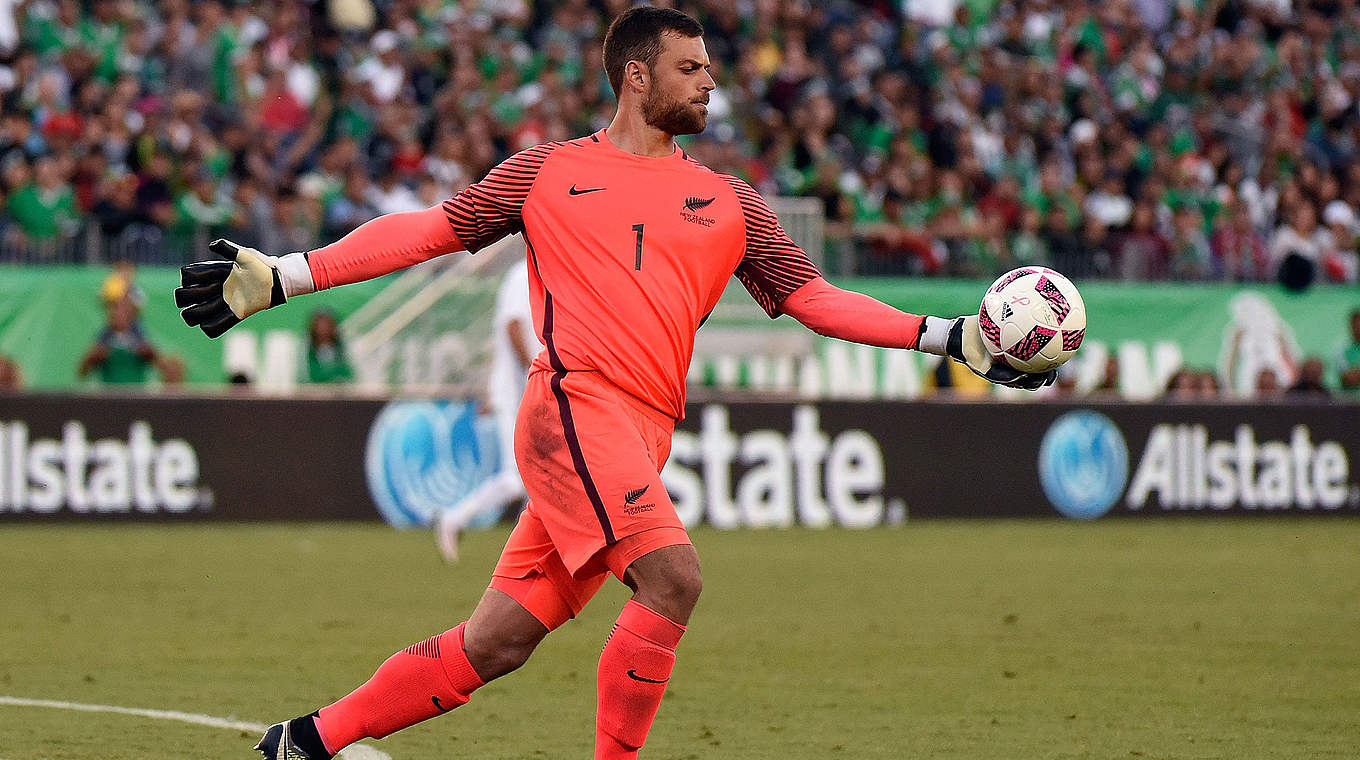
(215, 295)
(961, 340)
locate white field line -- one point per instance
(354, 752)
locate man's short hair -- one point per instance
(636, 36)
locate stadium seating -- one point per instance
(1131, 139)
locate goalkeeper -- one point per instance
(630, 245)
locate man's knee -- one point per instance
(668, 581)
(500, 635)
(678, 589)
(495, 655)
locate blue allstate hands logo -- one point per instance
(423, 456)
(1083, 464)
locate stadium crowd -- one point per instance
(1138, 139)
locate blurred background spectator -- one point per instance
(1208, 385)
(1268, 386)
(326, 360)
(1310, 383)
(121, 353)
(1109, 378)
(1182, 385)
(1124, 139)
(11, 375)
(172, 370)
(1190, 384)
(1349, 370)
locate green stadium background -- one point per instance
(48, 316)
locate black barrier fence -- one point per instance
(110, 458)
(733, 463)
(866, 463)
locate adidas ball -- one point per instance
(1032, 318)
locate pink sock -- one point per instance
(634, 668)
(417, 683)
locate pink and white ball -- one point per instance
(1032, 318)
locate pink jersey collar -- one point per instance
(676, 155)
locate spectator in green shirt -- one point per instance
(121, 354)
(1350, 359)
(204, 207)
(326, 360)
(44, 209)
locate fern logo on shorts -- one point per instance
(630, 502)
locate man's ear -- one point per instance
(636, 73)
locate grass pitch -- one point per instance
(1135, 639)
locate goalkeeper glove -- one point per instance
(961, 340)
(215, 295)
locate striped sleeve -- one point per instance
(773, 266)
(492, 208)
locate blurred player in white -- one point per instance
(514, 344)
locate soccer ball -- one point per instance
(1032, 318)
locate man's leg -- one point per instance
(591, 460)
(420, 682)
(498, 490)
(495, 491)
(640, 653)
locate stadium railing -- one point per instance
(139, 243)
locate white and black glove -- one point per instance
(961, 340)
(215, 295)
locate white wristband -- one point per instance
(934, 336)
(295, 274)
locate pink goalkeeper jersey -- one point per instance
(628, 255)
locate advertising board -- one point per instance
(734, 463)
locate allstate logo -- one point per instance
(423, 456)
(1083, 464)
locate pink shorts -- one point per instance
(591, 458)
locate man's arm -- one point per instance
(828, 310)
(782, 279)
(516, 329)
(382, 246)
(96, 356)
(847, 315)
(144, 350)
(471, 220)
(215, 295)
(1349, 375)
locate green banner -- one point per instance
(49, 316)
(1152, 328)
(1194, 316)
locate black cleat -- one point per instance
(278, 744)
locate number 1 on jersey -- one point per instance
(637, 261)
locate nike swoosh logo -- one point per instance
(440, 707)
(633, 675)
(583, 191)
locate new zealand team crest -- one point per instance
(693, 205)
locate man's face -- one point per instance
(677, 101)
